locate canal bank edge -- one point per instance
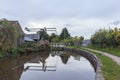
(93, 60)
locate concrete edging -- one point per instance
(92, 59)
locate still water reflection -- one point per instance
(47, 66)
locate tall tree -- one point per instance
(64, 34)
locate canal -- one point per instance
(57, 65)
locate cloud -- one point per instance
(81, 17)
(76, 26)
(115, 23)
(45, 9)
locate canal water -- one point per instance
(47, 66)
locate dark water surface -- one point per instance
(47, 66)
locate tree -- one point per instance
(9, 35)
(52, 36)
(81, 38)
(77, 41)
(64, 34)
(106, 38)
(99, 37)
(55, 39)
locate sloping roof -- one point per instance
(17, 24)
(14, 24)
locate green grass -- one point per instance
(110, 69)
(111, 50)
(1, 55)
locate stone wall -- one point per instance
(92, 59)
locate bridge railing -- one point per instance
(57, 45)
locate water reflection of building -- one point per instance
(40, 63)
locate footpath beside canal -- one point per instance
(114, 58)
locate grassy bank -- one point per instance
(111, 50)
(26, 48)
(109, 68)
(12, 53)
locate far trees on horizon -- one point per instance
(65, 37)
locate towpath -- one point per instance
(113, 57)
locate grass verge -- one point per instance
(111, 50)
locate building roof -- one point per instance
(15, 23)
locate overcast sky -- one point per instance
(81, 17)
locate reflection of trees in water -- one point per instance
(8, 72)
(65, 57)
(76, 56)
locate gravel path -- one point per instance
(114, 58)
